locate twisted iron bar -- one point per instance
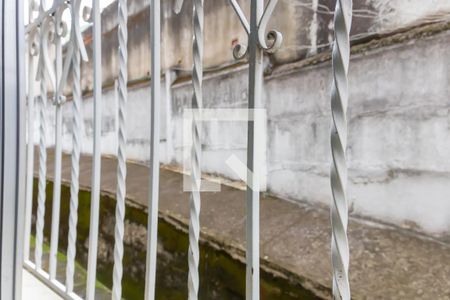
(32, 53)
(121, 166)
(44, 71)
(58, 99)
(196, 175)
(75, 172)
(76, 147)
(340, 254)
(96, 156)
(42, 173)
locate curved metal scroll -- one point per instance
(45, 67)
(274, 37)
(76, 44)
(269, 42)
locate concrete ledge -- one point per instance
(386, 263)
(33, 288)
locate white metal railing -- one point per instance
(49, 27)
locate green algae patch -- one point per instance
(221, 276)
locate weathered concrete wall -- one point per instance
(398, 152)
(399, 132)
(306, 28)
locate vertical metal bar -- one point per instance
(254, 101)
(75, 157)
(258, 44)
(96, 165)
(169, 77)
(116, 111)
(340, 254)
(30, 134)
(152, 224)
(21, 152)
(196, 173)
(121, 153)
(42, 159)
(12, 146)
(58, 156)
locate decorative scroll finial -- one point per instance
(340, 254)
(269, 42)
(45, 66)
(61, 30)
(61, 25)
(76, 38)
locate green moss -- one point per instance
(62, 259)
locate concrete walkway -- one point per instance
(386, 263)
(33, 289)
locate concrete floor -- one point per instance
(386, 263)
(33, 288)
